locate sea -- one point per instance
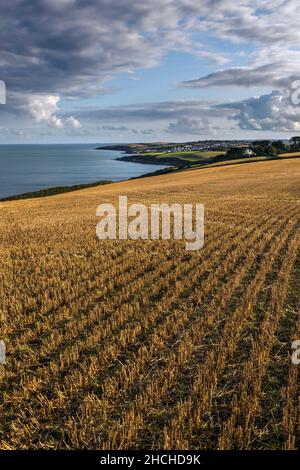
(28, 168)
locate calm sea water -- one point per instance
(25, 168)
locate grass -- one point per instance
(53, 191)
(290, 154)
(184, 160)
(243, 160)
(186, 156)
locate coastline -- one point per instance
(134, 153)
(52, 191)
(67, 189)
(143, 159)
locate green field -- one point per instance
(186, 156)
(203, 158)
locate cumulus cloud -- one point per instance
(270, 112)
(56, 122)
(44, 109)
(73, 122)
(273, 61)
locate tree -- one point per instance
(295, 143)
(279, 145)
(261, 143)
(235, 152)
(259, 150)
(272, 151)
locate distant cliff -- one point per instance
(121, 148)
(153, 160)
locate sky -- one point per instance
(151, 70)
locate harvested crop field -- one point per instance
(142, 344)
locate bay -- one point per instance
(28, 168)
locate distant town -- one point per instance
(205, 152)
(234, 147)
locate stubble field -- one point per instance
(142, 344)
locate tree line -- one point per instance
(270, 148)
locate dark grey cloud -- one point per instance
(55, 49)
(269, 74)
(279, 74)
(157, 111)
(75, 46)
(185, 117)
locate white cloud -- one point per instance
(73, 122)
(56, 122)
(73, 47)
(43, 107)
(271, 112)
(274, 67)
(259, 22)
(270, 29)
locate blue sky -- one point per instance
(125, 71)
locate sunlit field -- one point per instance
(142, 344)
